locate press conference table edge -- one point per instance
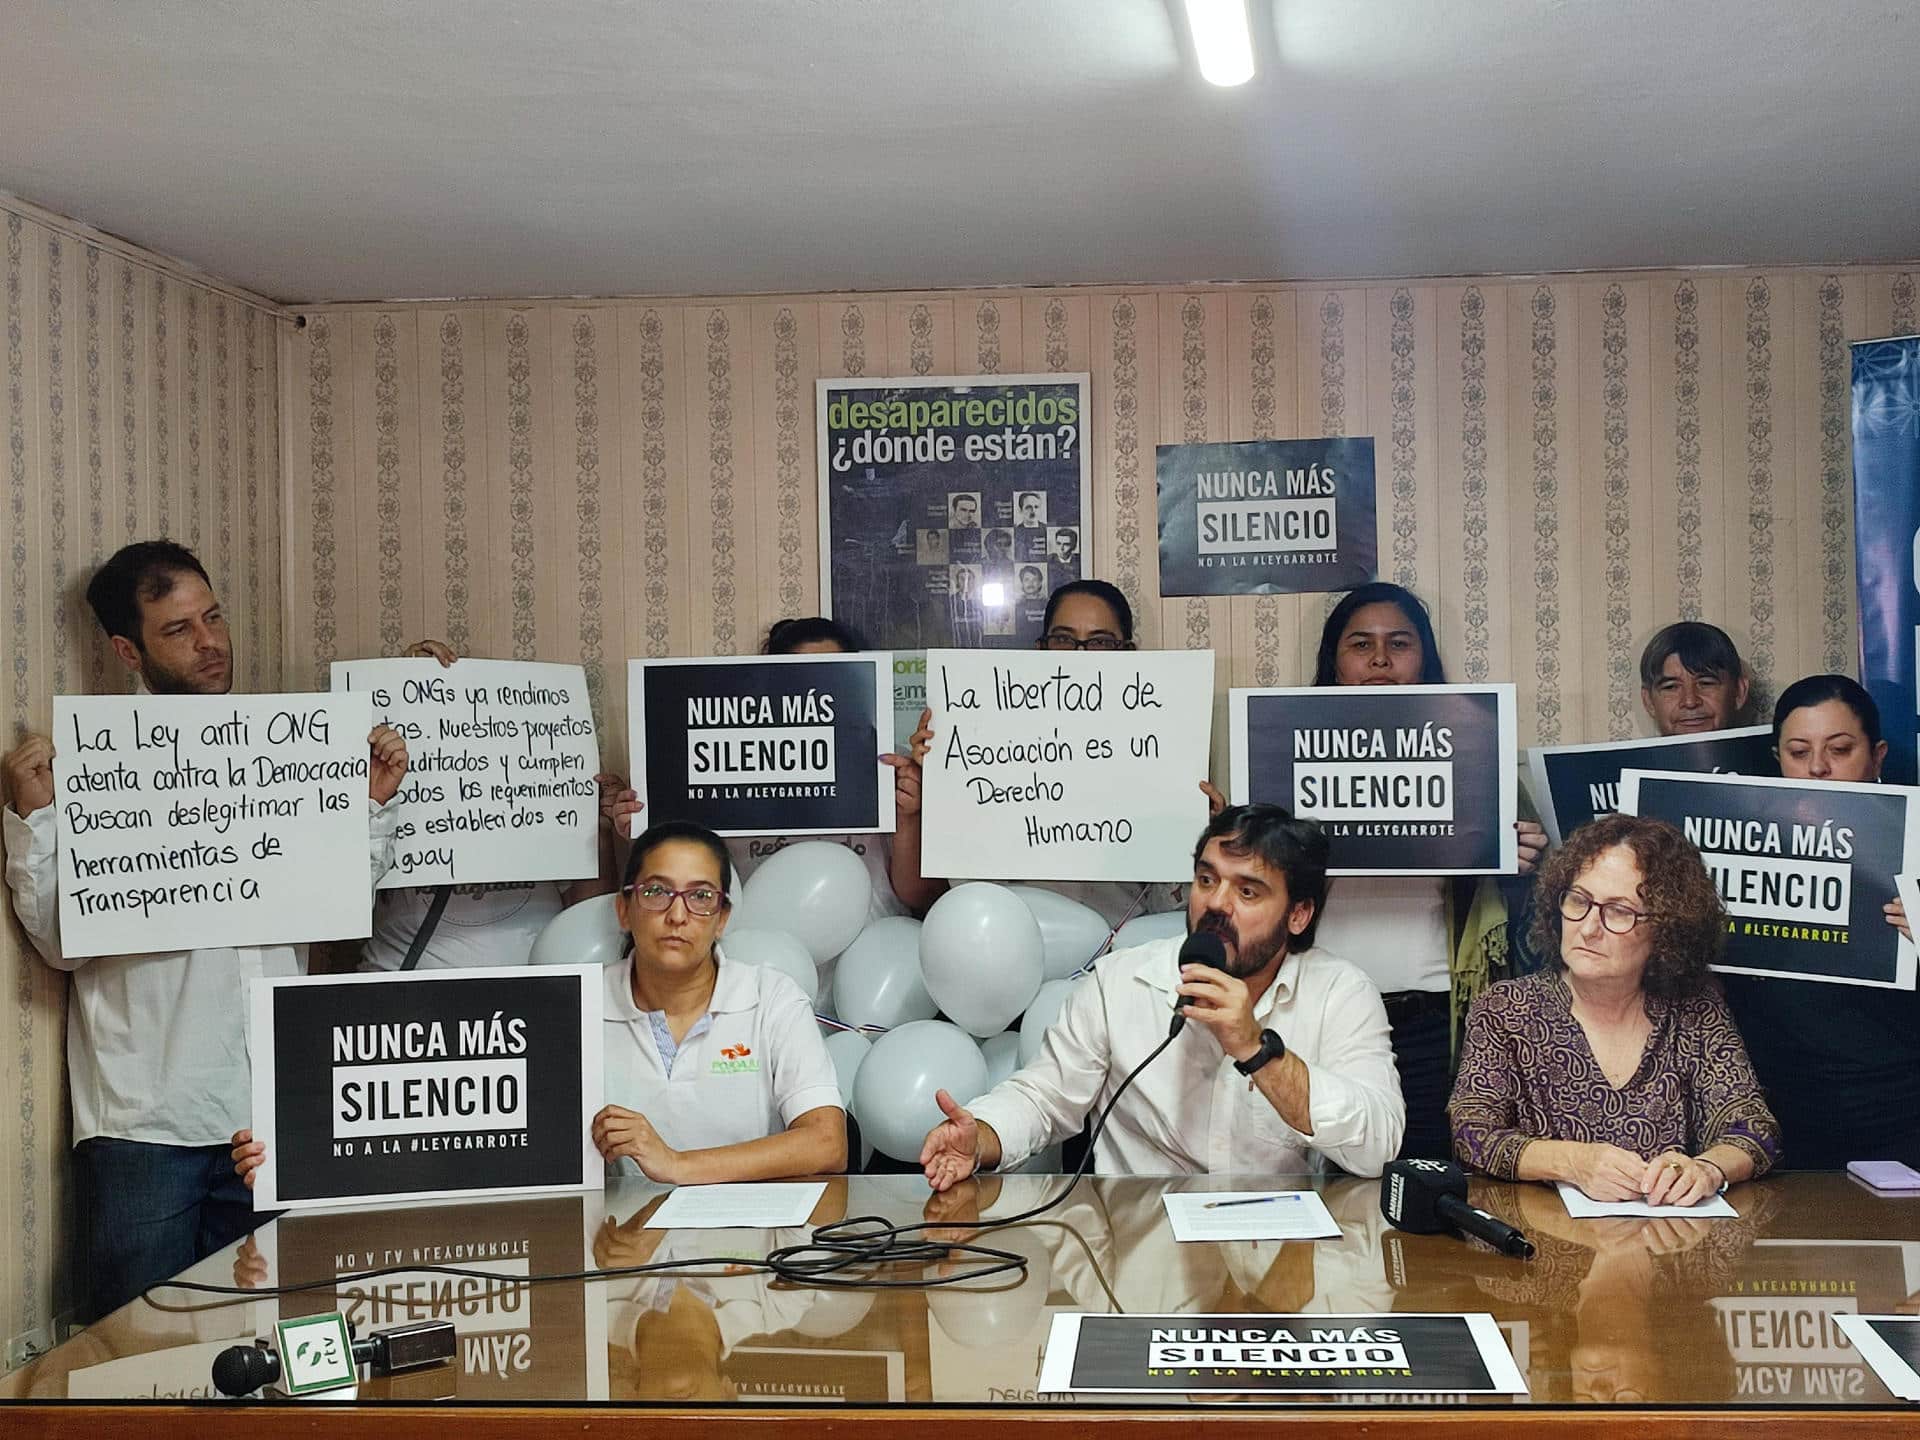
(144, 1421)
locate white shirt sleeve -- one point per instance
(1049, 1099)
(383, 822)
(803, 1075)
(1358, 1114)
(33, 877)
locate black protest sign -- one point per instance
(765, 745)
(1406, 779)
(1804, 868)
(1573, 784)
(1266, 517)
(1278, 1354)
(428, 1084)
(515, 1341)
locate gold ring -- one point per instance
(1676, 1164)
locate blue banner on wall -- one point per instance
(1886, 528)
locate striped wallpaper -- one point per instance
(139, 401)
(1565, 463)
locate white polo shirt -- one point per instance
(748, 1069)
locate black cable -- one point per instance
(864, 1242)
(840, 1248)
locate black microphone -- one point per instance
(1429, 1197)
(1203, 947)
(242, 1369)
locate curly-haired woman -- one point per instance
(1618, 1067)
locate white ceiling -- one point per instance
(347, 149)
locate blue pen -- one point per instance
(1256, 1200)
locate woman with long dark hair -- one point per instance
(1431, 945)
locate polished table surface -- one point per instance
(1735, 1314)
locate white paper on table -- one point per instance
(1288, 1215)
(732, 1207)
(1581, 1206)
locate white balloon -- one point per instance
(980, 954)
(847, 1049)
(1071, 934)
(817, 892)
(1003, 1056)
(893, 1093)
(776, 951)
(877, 980)
(834, 1311)
(1044, 1010)
(995, 1313)
(585, 934)
(1144, 929)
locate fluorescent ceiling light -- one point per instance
(1222, 40)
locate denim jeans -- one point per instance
(147, 1212)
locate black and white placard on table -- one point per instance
(1278, 1355)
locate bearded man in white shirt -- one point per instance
(1284, 1060)
(156, 1043)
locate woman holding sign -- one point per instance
(1618, 1068)
(1429, 945)
(716, 1072)
(1840, 1063)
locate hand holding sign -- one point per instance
(29, 771)
(386, 763)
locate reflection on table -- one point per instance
(1627, 1312)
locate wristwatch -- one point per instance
(1272, 1047)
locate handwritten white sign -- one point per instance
(1055, 766)
(195, 821)
(502, 756)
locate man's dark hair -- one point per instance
(1380, 592)
(787, 636)
(670, 830)
(1704, 649)
(1293, 847)
(147, 570)
(1818, 690)
(1099, 590)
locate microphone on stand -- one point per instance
(1203, 947)
(1429, 1197)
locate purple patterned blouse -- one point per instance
(1527, 1073)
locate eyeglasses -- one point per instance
(1067, 640)
(702, 900)
(1615, 916)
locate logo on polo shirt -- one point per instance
(735, 1060)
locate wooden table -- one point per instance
(1706, 1328)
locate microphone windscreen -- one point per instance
(1410, 1192)
(243, 1369)
(1203, 947)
